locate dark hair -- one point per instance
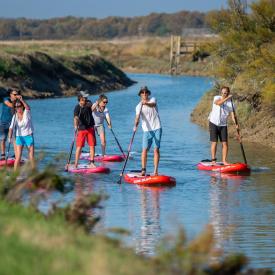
(144, 89)
(102, 97)
(17, 102)
(225, 87)
(81, 96)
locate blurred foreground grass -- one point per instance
(61, 242)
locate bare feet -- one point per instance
(213, 161)
(92, 165)
(225, 163)
(143, 172)
(156, 173)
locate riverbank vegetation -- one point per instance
(244, 59)
(62, 241)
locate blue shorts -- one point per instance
(151, 137)
(24, 140)
(4, 130)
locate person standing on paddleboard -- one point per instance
(84, 127)
(5, 119)
(151, 127)
(100, 113)
(221, 109)
(22, 125)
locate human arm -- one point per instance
(94, 106)
(151, 103)
(221, 100)
(8, 103)
(20, 98)
(108, 119)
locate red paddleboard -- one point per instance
(219, 167)
(10, 162)
(86, 169)
(149, 180)
(111, 158)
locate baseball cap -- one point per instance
(83, 94)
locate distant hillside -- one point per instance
(159, 24)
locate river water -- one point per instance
(241, 205)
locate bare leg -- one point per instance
(92, 156)
(77, 155)
(224, 152)
(31, 156)
(103, 143)
(213, 150)
(18, 155)
(3, 146)
(156, 160)
(144, 161)
(14, 147)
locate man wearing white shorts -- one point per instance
(151, 127)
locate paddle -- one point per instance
(71, 150)
(238, 131)
(120, 148)
(129, 148)
(10, 139)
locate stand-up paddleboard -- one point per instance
(10, 162)
(99, 158)
(149, 180)
(86, 169)
(220, 167)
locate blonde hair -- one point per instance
(102, 97)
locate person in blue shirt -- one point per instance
(5, 118)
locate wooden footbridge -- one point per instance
(179, 48)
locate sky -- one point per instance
(42, 9)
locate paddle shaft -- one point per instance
(119, 146)
(238, 131)
(129, 148)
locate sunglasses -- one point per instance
(14, 94)
(105, 102)
(144, 92)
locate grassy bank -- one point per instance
(39, 73)
(145, 55)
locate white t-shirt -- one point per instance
(219, 114)
(149, 116)
(100, 116)
(23, 127)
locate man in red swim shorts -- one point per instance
(84, 122)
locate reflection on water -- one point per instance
(241, 209)
(150, 224)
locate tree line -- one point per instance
(158, 24)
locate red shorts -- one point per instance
(88, 134)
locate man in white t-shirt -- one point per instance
(221, 109)
(151, 127)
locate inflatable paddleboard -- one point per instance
(99, 158)
(149, 180)
(10, 162)
(219, 167)
(86, 169)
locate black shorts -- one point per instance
(217, 132)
